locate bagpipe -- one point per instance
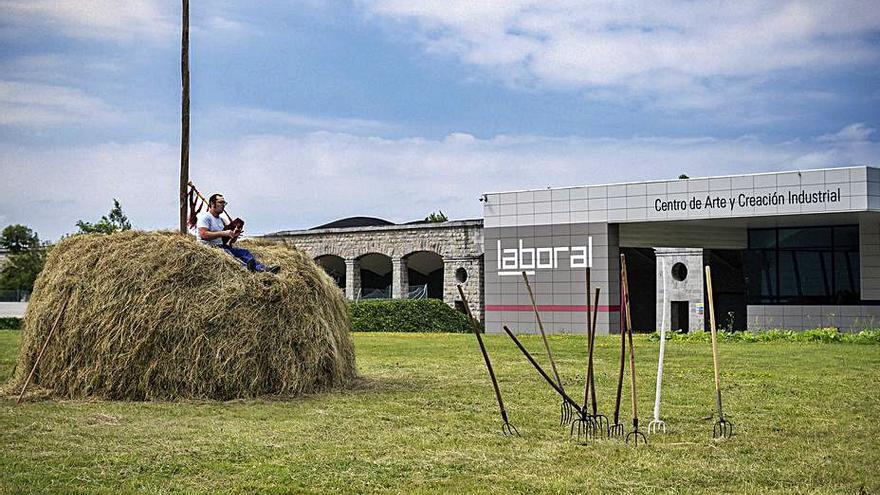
(197, 202)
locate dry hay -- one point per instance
(160, 316)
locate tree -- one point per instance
(116, 221)
(26, 258)
(436, 217)
(20, 271)
(683, 176)
(18, 238)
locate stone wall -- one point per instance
(458, 243)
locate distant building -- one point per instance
(374, 258)
(793, 250)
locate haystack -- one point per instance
(160, 316)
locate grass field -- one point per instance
(423, 419)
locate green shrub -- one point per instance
(825, 335)
(406, 315)
(10, 323)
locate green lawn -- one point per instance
(424, 420)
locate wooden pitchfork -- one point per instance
(616, 429)
(590, 424)
(635, 434)
(565, 407)
(506, 427)
(722, 428)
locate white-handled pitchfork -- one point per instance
(656, 425)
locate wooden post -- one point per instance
(184, 117)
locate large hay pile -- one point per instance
(159, 316)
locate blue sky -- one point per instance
(304, 112)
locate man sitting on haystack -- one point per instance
(211, 230)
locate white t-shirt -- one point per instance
(213, 224)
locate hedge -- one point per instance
(406, 315)
(10, 323)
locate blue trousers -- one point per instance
(244, 256)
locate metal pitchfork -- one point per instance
(590, 424)
(722, 428)
(565, 408)
(657, 425)
(574, 405)
(506, 427)
(635, 434)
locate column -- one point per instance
(352, 278)
(399, 279)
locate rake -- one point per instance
(574, 405)
(657, 425)
(506, 427)
(722, 428)
(564, 408)
(635, 434)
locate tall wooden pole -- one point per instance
(184, 117)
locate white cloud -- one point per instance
(276, 119)
(152, 20)
(24, 104)
(853, 132)
(99, 19)
(651, 48)
(278, 183)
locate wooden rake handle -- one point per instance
(632, 356)
(476, 328)
(43, 350)
(714, 342)
(541, 328)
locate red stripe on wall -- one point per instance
(549, 307)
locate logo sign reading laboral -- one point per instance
(513, 261)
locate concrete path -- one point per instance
(16, 309)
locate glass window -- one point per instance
(846, 237)
(788, 276)
(846, 270)
(813, 237)
(810, 265)
(762, 238)
(815, 279)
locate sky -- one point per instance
(304, 112)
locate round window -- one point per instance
(461, 275)
(679, 271)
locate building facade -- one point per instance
(791, 250)
(384, 260)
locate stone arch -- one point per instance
(425, 268)
(334, 266)
(375, 275)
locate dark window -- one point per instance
(813, 237)
(810, 265)
(762, 238)
(679, 272)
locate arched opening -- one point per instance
(425, 273)
(334, 266)
(375, 276)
